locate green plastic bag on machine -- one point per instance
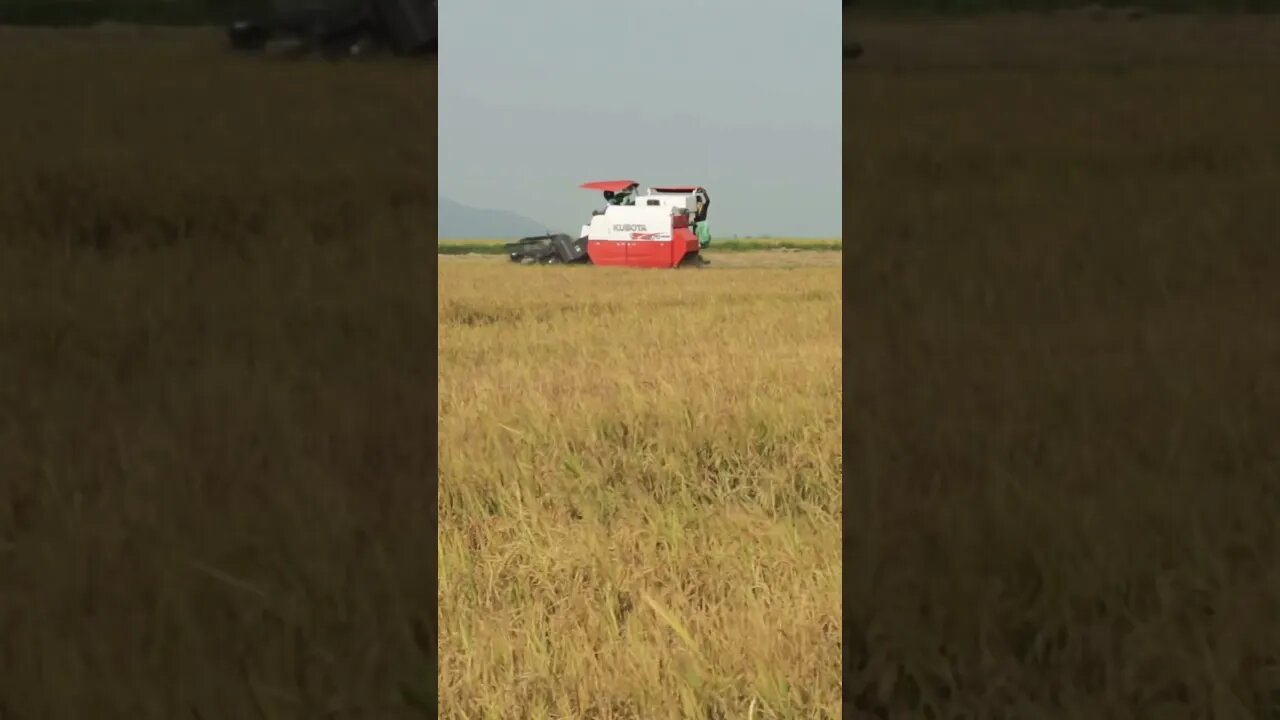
(703, 233)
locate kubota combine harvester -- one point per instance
(662, 227)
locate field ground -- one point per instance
(216, 396)
(640, 489)
(1063, 377)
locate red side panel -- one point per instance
(603, 252)
(683, 242)
(645, 253)
(630, 254)
(649, 254)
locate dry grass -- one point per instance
(216, 429)
(639, 491)
(1064, 373)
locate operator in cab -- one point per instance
(700, 218)
(625, 196)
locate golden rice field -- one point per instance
(640, 489)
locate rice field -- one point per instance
(640, 489)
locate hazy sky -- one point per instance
(743, 98)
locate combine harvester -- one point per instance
(663, 227)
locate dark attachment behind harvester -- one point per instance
(402, 27)
(548, 250)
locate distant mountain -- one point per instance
(459, 221)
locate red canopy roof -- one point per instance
(611, 185)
